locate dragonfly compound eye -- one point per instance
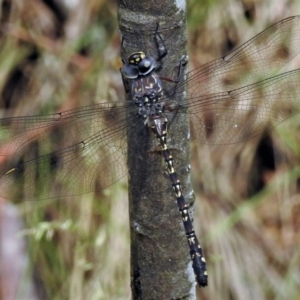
(130, 71)
(146, 65)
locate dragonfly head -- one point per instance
(139, 64)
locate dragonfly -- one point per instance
(231, 99)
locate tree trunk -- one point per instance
(160, 262)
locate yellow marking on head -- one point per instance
(142, 55)
(137, 59)
(132, 61)
(205, 273)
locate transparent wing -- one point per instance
(220, 107)
(257, 59)
(68, 151)
(79, 146)
(240, 114)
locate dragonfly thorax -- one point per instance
(148, 111)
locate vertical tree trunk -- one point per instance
(160, 262)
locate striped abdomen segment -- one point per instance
(159, 127)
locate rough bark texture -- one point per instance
(160, 262)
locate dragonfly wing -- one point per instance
(67, 153)
(257, 59)
(240, 114)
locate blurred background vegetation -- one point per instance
(58, 55)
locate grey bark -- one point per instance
(160, 262)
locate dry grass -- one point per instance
(247, 210)
(53, 62)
